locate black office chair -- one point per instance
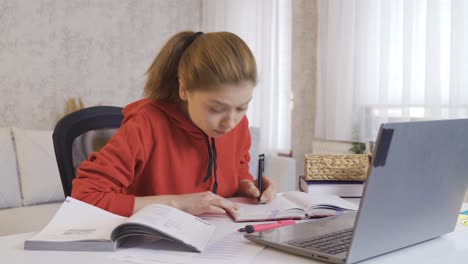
(78, 134)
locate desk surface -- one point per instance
(450, 248)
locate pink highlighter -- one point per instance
(267, 226)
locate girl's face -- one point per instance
(218, 111)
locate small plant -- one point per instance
(358, 147)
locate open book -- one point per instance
(78, 226)
(291, 205)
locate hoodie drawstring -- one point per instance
(212, 155)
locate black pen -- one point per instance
(261, 169)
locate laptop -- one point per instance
(413, 193)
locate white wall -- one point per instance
(51, 50)
(303, 79)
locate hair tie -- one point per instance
(191, 40)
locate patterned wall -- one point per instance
(51, 50)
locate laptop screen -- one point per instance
(415, 188)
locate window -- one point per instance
(383, 61)
(265, 26)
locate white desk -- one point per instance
(450, 248)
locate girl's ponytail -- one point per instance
(162, 80)
(202, 62)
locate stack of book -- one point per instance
(343, 189)
(336, 174)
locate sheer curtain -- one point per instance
(266, 27)
(381, 60)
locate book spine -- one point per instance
(339, 188)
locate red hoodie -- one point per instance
(158, 151)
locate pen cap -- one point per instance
(261, 164)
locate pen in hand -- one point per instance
(261, 168)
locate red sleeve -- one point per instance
(245, 155)
(103, 179)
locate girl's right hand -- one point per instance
(194, 203)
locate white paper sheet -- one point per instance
(226, 246)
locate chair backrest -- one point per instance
(78, 134)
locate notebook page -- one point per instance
(79, 221)
(311, 201)
(280, 207)
(227, 246)
(175, 223)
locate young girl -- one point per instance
(187, 144)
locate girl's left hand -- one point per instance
(248, 188)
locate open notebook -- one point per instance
(78, 226)
(291, 205)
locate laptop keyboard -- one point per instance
(332, 243)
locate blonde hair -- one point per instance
(210, 60)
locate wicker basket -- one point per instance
(349, 167)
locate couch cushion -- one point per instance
(10, 195)
(37, 166)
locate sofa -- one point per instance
(30, 186)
